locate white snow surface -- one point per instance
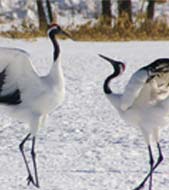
(84, 144)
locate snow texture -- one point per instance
(84, 144)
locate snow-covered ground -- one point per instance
(84, 144)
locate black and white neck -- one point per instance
(56, 74)
(52, 33)
(106, 85)
(118, 66)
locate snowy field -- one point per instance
(84, 144)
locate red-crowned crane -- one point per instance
(28, 96)
(144, 103)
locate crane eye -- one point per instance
(122, 67)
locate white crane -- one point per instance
(144, 103)
(28, 96)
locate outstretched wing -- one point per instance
(16, 74)
(148, 84)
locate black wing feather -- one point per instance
(12, 98)
(156, 68)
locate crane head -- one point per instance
(55, 29)
(117, 65)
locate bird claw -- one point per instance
(30, 180)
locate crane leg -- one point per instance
(151, 166)
(149, 175)
(21, 147)
(34, 162)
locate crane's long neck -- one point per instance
(113, 97)
(56, 52)
(56, 73)
(106, 86)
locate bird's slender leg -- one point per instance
(21, 147)
(151, 166)
(160, 158)
(150, 172)
(34, 161)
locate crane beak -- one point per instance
(108, 59)
(114, 63)
(66, 34)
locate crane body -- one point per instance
(29, 97)
(144, 103)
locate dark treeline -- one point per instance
(124, 8)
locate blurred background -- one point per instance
(87, 19)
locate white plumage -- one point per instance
(144, 103)
(38, 95)
(28, 96)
